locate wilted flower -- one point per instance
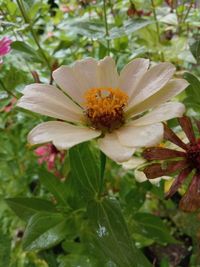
(185, 161)
(49, 153)
(105, 104)
(4, 47)
(136, 164)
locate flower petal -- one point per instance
(172, 137)
(77, 79)
(140, 136)
(160, 153)
(132, 163)
(163, 112)
(152, 81)
(63, 135)
(191, 200)
(111, 146)
(131, 74)
(156, 170)
(50, 101)
(178, 182)
(107, 73)
(186, 125)
(141, 177)
(171, 89)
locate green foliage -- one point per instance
(44, 230)
(27, 207)
(88, 211)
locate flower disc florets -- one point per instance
(105, 108)
(193, 155)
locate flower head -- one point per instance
(96, 102)
(185, 161)
(4, 47)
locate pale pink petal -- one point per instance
(163, 112)
(171, 89)
(61, 134)
(50, 101)
(111, 146)
(131, 74)
(77, 79)
(107, 73)
(140, 136)
(151, 82)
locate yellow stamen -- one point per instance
(104, 106)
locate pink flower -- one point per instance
(49, 153)
(4, 46)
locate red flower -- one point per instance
(184, 162)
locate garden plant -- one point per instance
(99, 133)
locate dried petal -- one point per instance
(159, 153)
(156, 169)
(191, 200)
(186, 125)
(178, 182)
(198, 124)
(172, 137)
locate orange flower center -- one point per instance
(105, 108)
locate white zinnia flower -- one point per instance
(106, 105)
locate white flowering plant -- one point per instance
(95, 96)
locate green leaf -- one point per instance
(26, 49)
(44, 230)
(195, 49)
(153, 227)
(111, 236)
(5, 249)
(92, 29)
(27, 207)
(129, 27)
(192, 91)
(85, 169)
(55, 186)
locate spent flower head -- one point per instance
(94, 101)
(184, 161)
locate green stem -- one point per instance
(188, 11)
(102, 170)
(106, 27)
(155, 19)
(7, 90)
(27, 20)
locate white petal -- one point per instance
(171, 89)
(111, 146)
(140, 136)
(132, 163)
(86, 73)
(163, 112)
(140, 176)
(131, 74)
(77, 79)
(107, 73)
(152, 81)
(63, 135)
(50, 101)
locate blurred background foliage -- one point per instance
(45, 35)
